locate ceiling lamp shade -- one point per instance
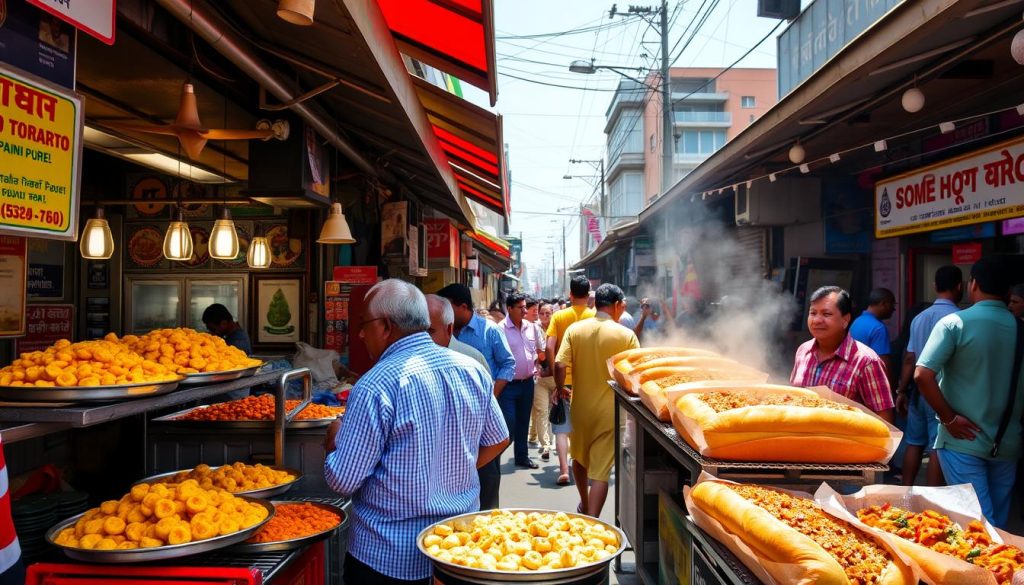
(224, 238)
(913, 100)
(335, 230)
(797, 154)
(298, 12)
(259, 253)
(97, 242)
(178, 239)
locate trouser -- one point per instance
(992, 480)
(541, 429)
(357, 572)
(15, 575)
(490, 484)
(516, 401)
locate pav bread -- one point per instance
(656, 383)
(796, 539)
(766, 422)
(622, 364)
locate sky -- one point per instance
(546, 126)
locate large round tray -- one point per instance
(214, 377)
(306, 423)
(557, 575)
(286, 545)
(159, 553)
(87, 393)
(259, 493)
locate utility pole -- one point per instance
(599, 163)
(667, 139)
(554, 284)
(565, 282)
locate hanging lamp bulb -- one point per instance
(97, 242)
(335, 230)
(298, 12)
(224, 237)
(913, 100)
(797, 153)
(178, 239)
(259, 253)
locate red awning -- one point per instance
(490, 244)
(455, 36)
(471, 138)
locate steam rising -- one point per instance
(741, 314)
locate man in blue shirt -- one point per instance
(869, 329)
(417, 425)
(218, 321)
(922, 426)
(486, 337)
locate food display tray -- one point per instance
(308, 423)
(173, 551)
(214, 377)
(286, 545)
(258, 493)
(87, 393)
(554, 576)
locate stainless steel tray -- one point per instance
(159, 553)
(87, 393)
(286, 545)
(260, 493)
(308, 423)
(557, 575)
(214, 377)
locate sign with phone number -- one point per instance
(40, 157)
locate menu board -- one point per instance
(336, 297)
(13, 277)
(47, 324)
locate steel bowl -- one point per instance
(556, 575)
(88, 393)
(160, 553)
(286, 545)
(214, 377)
(258, 493)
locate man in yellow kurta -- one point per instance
(586, 348)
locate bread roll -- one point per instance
(655, 383)
(621, 364)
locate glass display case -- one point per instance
(173, 300)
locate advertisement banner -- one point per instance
(13, 275)
(974, 188)
(96, 17)
(37, 42)
(40, 158)
(442, 240)
(355, 275)
(47, 324)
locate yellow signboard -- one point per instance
(40, 157)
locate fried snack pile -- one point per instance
(506, 541)
(159, 515)
(860, 557)
(722, 401)
(259, 408)
(293, 521)
(187, 351)
(86, 363)
(234, 478)
(938, 532)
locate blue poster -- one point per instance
(962, 233)
(45, 281)
(37, 42)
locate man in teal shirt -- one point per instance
(973, 352)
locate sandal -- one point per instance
(563, 479)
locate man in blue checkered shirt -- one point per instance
(417, 427)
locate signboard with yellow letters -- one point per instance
(40, 157)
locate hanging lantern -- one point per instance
(97, 242)
(1017, 47)
(178, 239)
(224, 238)
(259, 253)
(797, 153)
(913, 100)
(335, 230)
(298, 12)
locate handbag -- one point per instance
(558, 414)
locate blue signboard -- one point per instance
(37, 42)
(820, 32)
(962, 233)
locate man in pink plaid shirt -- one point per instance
(836, 360)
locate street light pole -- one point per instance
(599, 163)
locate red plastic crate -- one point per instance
(73, 574)
(306, 570)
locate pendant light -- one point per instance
(178, 240)
(224, 237)
(298, 12)
(335, 230)
(259, 253)
(97, 242)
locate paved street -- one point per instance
(536, 488)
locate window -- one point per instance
(626, 136)
(626, 197)
(700, 142)
(748, 101)
(693, 85)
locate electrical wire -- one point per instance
(572, 31)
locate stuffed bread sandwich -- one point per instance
(656, 384)
(622, 364)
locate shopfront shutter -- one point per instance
(752, 250)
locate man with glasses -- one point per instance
(516, 400)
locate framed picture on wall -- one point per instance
(279, 305)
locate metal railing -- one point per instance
(698, 117)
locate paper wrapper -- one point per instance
(768, 572)
(658, 402)
(959, 502)
(694, 435)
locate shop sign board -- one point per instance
(13, 277)
(37, 42)
(40, 157)
(47, 324)
(442, 241)
(966, 253)
(355, 274)
(982, 186)
(96, 17)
